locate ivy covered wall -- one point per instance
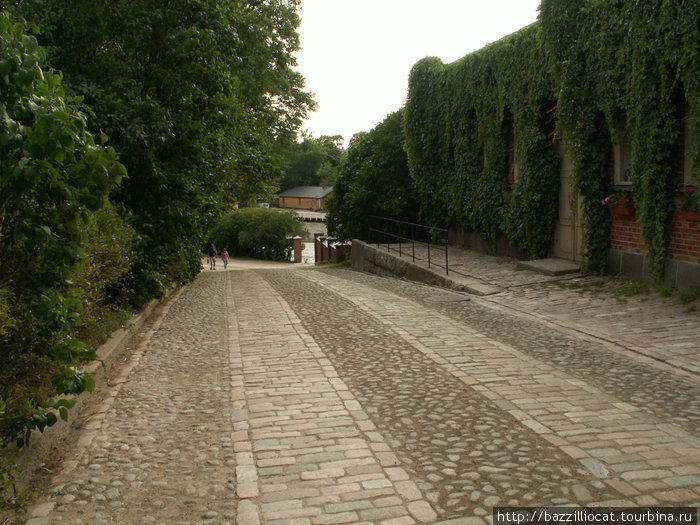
(587, 71)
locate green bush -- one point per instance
(53, 177)
(100, 276)
(260, 233)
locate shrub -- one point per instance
(53, 176)
(260, 233)
(99, 277)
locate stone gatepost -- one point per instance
(297, 249)
(317, 247)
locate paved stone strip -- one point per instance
(658, 327)
(160, 451)
(664, 394)
(307, 453)
(645, 458)
(467, 453)
(634, 322)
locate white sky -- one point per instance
(357, 54)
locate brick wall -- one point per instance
(684, 245)
(626, 235)
(685, 239)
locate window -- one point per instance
(623, 159)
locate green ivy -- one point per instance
(459, 119)
(585, 71)
(633, 64)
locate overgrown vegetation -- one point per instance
(467, 124)
(260, 233)
(54, 179)
(639, 65)
(199, 98)
(592, 70)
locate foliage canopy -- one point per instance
(198, 97)
(53, 177)
(312, 162)
(374, 181)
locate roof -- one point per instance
(308, 192)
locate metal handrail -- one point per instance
(430, 230)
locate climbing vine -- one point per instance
(463, 120)
(589, 72)
(630, 66)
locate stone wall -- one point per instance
(368, 258)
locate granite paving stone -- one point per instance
(281, 394)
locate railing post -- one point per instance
(317, 247)
(428, 248)
(413, 242)
(447, 263)
(297, 248)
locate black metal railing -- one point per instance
(413, 234)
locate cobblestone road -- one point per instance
(301, 396)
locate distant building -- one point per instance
(305, 197)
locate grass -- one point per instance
(665, 290)
(688, 295)
(347, 263)
(621, 289)
(100, 324)
(631, 288)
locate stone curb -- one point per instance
(121, 338)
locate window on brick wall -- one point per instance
(622, 151)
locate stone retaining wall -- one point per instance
(368, 258)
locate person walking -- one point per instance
(212, 256)
(224, 257)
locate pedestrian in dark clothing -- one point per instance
(212, 257)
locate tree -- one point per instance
(198, 97)
(313, 161)
(374, 181)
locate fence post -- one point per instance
(317, 247)
(413, 242)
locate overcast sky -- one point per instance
(356, 54)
